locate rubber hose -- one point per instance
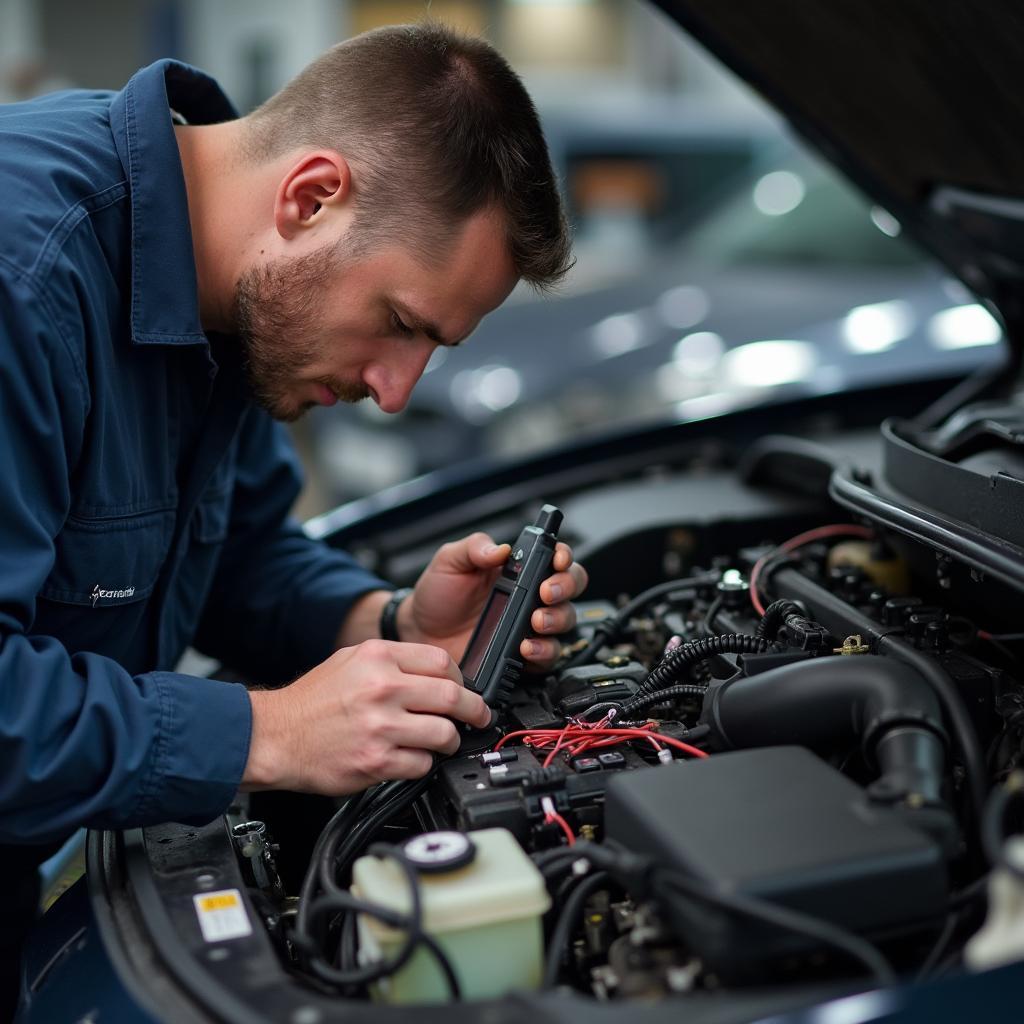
(646, 700)
(671, 667)
(825, 702)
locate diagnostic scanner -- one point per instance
(492, 663)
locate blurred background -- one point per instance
(718, 263)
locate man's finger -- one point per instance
(426, 732)
(540, 653)
(563, 557)
(564, 586)
(558, 619)
(424, 660)
(408, 764)
(477, 551)
(428, 696)
(485, 554)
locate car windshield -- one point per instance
(792, 210)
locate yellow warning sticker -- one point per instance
(222, 915)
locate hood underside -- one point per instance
(919, 102)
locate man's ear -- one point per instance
(316, 180)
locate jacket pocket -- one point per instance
(109, 561)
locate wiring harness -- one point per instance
(589, 866)
(324, 932)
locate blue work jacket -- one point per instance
(143, 498)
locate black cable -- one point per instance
(938, 947)
(708, 623)
(667, 671)
(782, 917)
(646, 700)
(951, 961)
(609, 630)
(605, 706)
(426, 816)
(564, 925)
(966, 896)
(431, 944)
(348, 942)
(423, 938)
(958, 904)
(346, 903)
(560, 857)
(337, 824)
(411, 924)
(451, 979)
(343, 848)
(380, 802)
(338, 829)
(775, 615)
(558, 898)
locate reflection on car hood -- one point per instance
(915, 101)
(611, 338)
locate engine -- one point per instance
(771, 769)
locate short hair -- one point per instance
(437, 126)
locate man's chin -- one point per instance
(286, 412)
(294, 413)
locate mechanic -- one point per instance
(175, 281)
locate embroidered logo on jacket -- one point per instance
(98, 592)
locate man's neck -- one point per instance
(221, 214)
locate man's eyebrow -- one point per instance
(424, 326)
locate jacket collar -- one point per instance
(165, 297)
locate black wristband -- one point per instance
(389, 614)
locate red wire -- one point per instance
(562, 737)
(555, 817)
(808, 537)
(574, 739)
(662, 738)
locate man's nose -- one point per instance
(393, 382)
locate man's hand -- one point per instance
(449, 596)
(368, 713)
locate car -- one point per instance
(637, 174)
(775, 775)
(789, 281)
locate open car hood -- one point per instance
(918, 103)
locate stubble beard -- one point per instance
(277, 307)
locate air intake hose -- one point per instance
(825, 702)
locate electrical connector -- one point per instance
(806, 635)
(495, 757)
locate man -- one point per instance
(172, 281)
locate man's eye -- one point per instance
(401, 326)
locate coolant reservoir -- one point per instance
(485, 914)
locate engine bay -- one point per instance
(773, 759)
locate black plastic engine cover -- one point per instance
(780, 825)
